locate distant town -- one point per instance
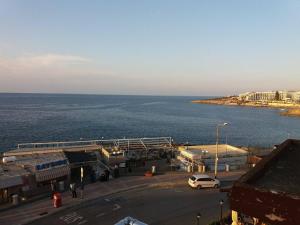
(287, 101)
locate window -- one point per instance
(204, 179)
(193, 178)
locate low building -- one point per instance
(14, 179)
(45, 168)
(228, 155)
(269, 194)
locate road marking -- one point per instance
(107, 200)
(116, 207)
(100, 214)
(82, 222)
(72, 218)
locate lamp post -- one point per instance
(217, 143)
(198, 218)
(221, 211)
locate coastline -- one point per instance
(289, 109)
(295, 112)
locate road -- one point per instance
(162, 205)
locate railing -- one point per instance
(138, 142)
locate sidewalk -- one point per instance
(34, 210)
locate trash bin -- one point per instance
(15, 199)
(57, 200)
(61, 186)
(153, 169)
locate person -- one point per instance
(116, 171)
(73, 190)
(106, 175)
(102, 177)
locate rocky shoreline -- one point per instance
(289, 109)
(291, 112)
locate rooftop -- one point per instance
(271, 190)
(283, 173)
(223, 150)
(53, 149)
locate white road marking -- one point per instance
(107, 200)
(100, 214)
(116, 207)
(82, 222)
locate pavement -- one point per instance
(44, 207)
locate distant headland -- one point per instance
(287, 101)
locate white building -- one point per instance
(270, 96)
(205, 155)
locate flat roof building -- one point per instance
(228, 155)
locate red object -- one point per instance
(148, 174)
(57, 200)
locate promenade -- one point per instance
(31, 211)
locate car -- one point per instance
(202, 181)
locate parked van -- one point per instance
(203, 181)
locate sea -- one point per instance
(70, 117)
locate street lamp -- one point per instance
(217, 143)
(221, 211)
(198, 218)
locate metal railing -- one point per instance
(119, 143)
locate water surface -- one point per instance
(57, 117)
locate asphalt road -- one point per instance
(168, 205)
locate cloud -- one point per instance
(51, 59)
(31, 63)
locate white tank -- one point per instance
(8, 159)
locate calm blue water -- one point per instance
(44, 117)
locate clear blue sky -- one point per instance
(149, 47)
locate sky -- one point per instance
(143, 47)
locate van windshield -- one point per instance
(193, 178)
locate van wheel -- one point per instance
(216, 186)
(199, 187)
